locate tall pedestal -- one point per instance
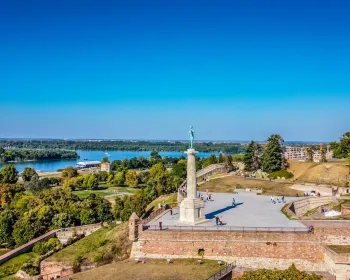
(191, 208)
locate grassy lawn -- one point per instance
(340, 248)
(154, 269)
(104, 191)
(228, 184)
(170, 199)
(97, 243)
(13, 265)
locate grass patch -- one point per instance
(340, 249)
(154, 269)
(230, 183)
(286, 212)
(282, 173)
(104, 191)
(4, 251)
(13, 265)
(112, 241)
(170, 199)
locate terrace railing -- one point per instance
(155, 214)
(226, 228)
(225, 273)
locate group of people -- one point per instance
(276, 199)
(205, 197)
(312, 193)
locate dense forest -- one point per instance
(23, 155)
(127, 145)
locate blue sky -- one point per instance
(236, 70)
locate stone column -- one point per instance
(191, 173)
(191, 208)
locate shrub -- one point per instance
(291, 273)
(282, 173)
(103, 242)
(30, 269)
(77, 263)
(43, 248)
(103, 257)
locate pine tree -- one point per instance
(248, 157)
(273, 156)
(257, 157)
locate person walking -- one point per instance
(221, 220)
(283, 199)
(217, 220)
(233, 202)
(160, 225)
(171, 212)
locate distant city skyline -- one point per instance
(150, 69)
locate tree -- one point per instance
(62, 220)
(87, 217)
(253, 157)
(210, 160)
(118, 207)
(92, 182)
(273, 156)
(9, 174)
(7, 220)
(180, 169)
(220, 158)
(103, 176)
(28, 173)
(155, 155)
(105, 159)
(257, 156)
(323, 154)
(32, 185)
(342, 148)
(310, 154)
(248, 157)
(131, 178)
(119, 178)
(69, 172)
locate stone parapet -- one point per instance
(302, 206)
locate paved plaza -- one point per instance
(251, 211)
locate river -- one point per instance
(53, 165)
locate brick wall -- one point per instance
(248, 249)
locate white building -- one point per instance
(300, 153)
(88, 164)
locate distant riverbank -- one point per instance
(54, 165)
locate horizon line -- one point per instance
(154, 140)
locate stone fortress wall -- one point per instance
(61, 234)
(255, 250)
(302, 206)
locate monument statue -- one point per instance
(192, 207)
(191, 136)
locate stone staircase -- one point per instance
(205, 172)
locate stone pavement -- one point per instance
(251, 211)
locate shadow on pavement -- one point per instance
(217, 212)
